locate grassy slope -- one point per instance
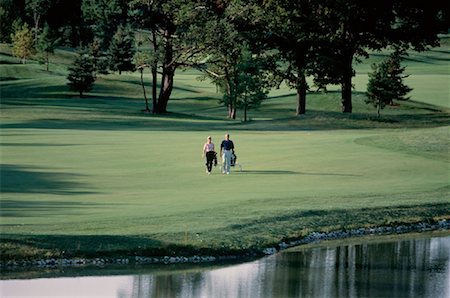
(94, 175)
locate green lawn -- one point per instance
(97, 176)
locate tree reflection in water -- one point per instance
(413, 268)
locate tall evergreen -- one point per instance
(122, 50)
(100, 58)
(386, 83)
(103, 17)
(81, 74)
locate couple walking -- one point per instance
(226, 151)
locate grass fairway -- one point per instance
(95, 176)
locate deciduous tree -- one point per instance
(23, 43)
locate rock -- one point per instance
(269, 250)
(283, 245)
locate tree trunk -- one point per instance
(143, 89)
(301, 94)
(245, 113)
(167, 75)
(154, 88)
(347, 84)
(46, 61)
(154, 72)
(379, 108)
(228, 91)
(36, 18)
(165, 91)
(233, 113)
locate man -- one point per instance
(226, 150)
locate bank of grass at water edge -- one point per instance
(95, 177)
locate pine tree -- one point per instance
(81, 74)
(99, 57)
(386, 83)
(122, 50)
(23, 43)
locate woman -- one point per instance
(208, 150)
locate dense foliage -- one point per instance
(294, 39)
(81, 74)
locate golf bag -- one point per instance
(233, 159)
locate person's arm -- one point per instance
(221, 146)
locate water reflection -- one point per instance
(412, 268)
(405, 268)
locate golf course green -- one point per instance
(95, 176)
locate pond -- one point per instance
(382, 267)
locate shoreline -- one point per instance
(313, 237)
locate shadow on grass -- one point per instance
(248, 236)
(35, 144)
(291, 225)
(19, 208)
(26, 179)
(320, 120)
(82, 245)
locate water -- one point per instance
(391, 268)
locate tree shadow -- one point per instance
(21, 208)
(35, 144)
(87, 245)
(27, 179)
(341, 217)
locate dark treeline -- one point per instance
(244, 47)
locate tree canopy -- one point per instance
(290, 39)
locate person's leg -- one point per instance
(209, 160)
(227, 161)
(223, 162)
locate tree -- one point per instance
(359, 26)
(386, 83)
(103, 18)
(143, 60)
(243, 83)
(172, 24)
(233, 58)
(11, 11)
(99, 57)
(251, 88)
(37, 9)
(81, 74)
(46, 45)
(122, 50)
(295, 31)
(23, 44)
